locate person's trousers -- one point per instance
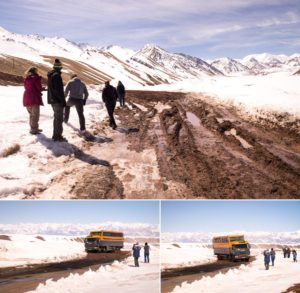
(110, 110)
(58, 110)
(146, 257)
(122, 99)
(267, 265)
(34, 117)
(273, 259)
(78, 103)
(136, 261)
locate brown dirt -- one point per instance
(171, 278)
(20, 279)
(202, 158)
(294, 289)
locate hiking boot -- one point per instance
(60, 138)
(34, 132)
(40, 130)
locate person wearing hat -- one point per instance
(78, 95)
(32, 98)
(56, 98)
(136, 253)
(109, 97)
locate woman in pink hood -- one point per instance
(32, 98)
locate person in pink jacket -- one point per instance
(32, 98)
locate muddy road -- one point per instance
(176, 146)
(20, 279)
(171, 278)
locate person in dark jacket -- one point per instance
(32, 98)
(288, 252)
(294, 253)
(121, 93)
(267, 256)
(109, 97)
(56, 98)
(146, 252)
(136, 253)
(272, 253)
(78, 96)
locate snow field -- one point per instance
(118, 277)
(23, 250)
(175, 255)
(252, 278)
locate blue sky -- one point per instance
(207, 29)
(227, 216)
(77, 211)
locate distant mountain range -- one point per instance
(252, 237)
(130, 229)
(150, 65)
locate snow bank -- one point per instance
(118, 277)
(16, 250)
(175, 255)
(252, 278)
(256, 95)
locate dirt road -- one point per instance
(175, 145)
(18, 280)
(174, 277)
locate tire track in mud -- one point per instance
(170, 278)
(209, 151)
(23, 279)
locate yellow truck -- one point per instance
(231, 247)
(104, 240)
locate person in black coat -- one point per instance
(121, 93)
(109, 97)
(56, 98)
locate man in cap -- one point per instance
(57, 99)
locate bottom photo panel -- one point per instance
(79, 246)
(149, 246)
(230, 246)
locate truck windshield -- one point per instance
(91, 240)
(240, 246)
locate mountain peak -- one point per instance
(3, 30)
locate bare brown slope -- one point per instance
(13, 68)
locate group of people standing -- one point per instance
(56, 97)
(269, 256)
(136, 248)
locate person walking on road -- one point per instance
(78, 95)
(56, 99)
(136, 254)
(146, 252)
(267, 259)
(272, 253)
(109, 97)
(294, 252)
(288, 252)
(32, 98)
(121, 93)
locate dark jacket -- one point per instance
(136, 250)
(121, 89)
(55, 88)
(33, 91)
(146, 249)
(109, 95)
(267, 256)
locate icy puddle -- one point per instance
(243, 142)
(193, 119)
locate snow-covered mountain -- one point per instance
(230, 66)
(252, 237)
(150, 65)
(130, 229)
